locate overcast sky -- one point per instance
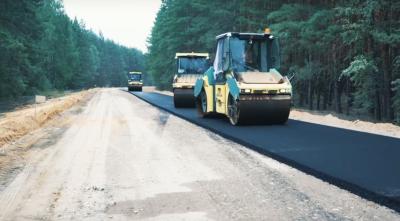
(127, 22)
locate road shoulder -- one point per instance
(19, 149)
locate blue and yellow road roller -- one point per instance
(244, 83)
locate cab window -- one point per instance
(192, 65)
(221, 59)
(218, 57)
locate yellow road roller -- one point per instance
(244, 83)
(190, 67)
(135, 81)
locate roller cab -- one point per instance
(135, 81)
(189, 68)
(244, 83)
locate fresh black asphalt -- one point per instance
(365, 164)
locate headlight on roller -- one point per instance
(285, 91)
(245, 91)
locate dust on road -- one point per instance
(123, 159)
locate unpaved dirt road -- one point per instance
(122, 159)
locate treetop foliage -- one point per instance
(345, 53)
(42, 49)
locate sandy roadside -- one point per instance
(20, 130)
(123, 159)
(342, 121)
(16, 124)
(333, 120)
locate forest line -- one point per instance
(345, 53)
(42, 49)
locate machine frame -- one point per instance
(221, 91)
(135, 85)
(183, 84)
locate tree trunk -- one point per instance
(338, 95)
(325, 99)
(348, 97)
(377, 109)
(310, 95)
(387, 79)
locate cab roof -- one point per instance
(135, 72)
(204, 55)
(245, 35)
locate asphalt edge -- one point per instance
(355, 189)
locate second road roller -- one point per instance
(244, 83)
(189, 67)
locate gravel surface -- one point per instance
(123, 159)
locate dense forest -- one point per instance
(345, 53)
(42, 49)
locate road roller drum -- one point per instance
(184, 98)
(263, 109)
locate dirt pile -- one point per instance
(19, 123)
(346, 122)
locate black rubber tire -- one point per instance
(201, 104)
(234, 111)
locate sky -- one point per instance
(127, 22)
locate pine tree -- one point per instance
(322, 41)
